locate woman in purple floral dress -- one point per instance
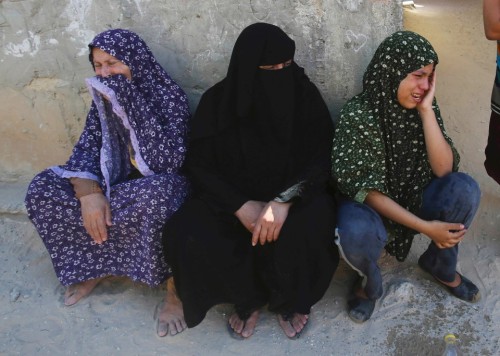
(101, 213)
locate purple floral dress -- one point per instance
(145, 120)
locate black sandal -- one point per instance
(466, 290)
(360, 309)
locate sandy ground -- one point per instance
(411, 318)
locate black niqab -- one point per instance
(266, 124)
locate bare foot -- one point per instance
(245, 328)
(293, 325)
(77, 291)
(171, 316)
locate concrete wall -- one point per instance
(44, 60)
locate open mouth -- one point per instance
(417, 97)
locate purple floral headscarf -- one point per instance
(146, 115)
(152, 80)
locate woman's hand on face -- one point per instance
(96, 215)
(444, 235)
(426, 103)
(249, 212)
(269, 222)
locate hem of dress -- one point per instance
(135, 280)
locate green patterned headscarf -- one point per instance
(378, 144)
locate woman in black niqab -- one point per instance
(259, 227)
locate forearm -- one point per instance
(438, 149)
(391, 210)
(443, 234)
(491, 19)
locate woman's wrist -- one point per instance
(426, 113)
(86, 197)
(84, 187)
(421, 226)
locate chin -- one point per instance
(408, 105)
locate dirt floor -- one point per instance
(410, 319)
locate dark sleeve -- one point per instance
(203, 164)
(316, 131)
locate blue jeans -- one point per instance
(361, 234)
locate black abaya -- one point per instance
(254, 135)
(214, 262)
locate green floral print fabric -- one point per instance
(379, 145)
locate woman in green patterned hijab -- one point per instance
(396, 169)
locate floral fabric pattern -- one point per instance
(139, 209)
(147, 115)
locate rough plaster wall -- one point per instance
(43, 61)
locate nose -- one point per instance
(424, 83)
(105, 71)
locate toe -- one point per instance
(178, 326)
(162, 329)
(69, 301)
(173, 329)
(287, 327)
(249, 325)
(247, 332)
(297, 323)
(183, 324)
(303, 318)
(70, 290)
(72, 296)
(236, 323)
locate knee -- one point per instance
(41, 180)
(453, 198)
(464, 186)
(360, 227)
(168, 187)
(41, 184)
(465, 183)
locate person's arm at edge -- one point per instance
(491, 19)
